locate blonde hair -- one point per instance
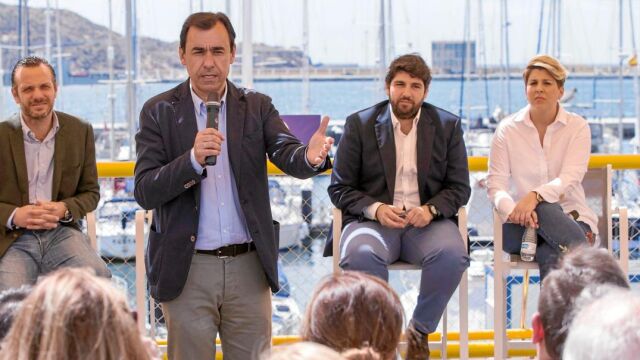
(352, 311)
(548, 63)
(72, 314)
(302, 351)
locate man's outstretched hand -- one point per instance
(319, 144)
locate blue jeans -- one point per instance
(557, 233)
(37, 252)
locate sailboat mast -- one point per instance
(464, 64)
(47, 32)
(24, 25)
(483, 56)
(505, 52)
(305, 56)
(383, 45)
(620, 77)
(130, 88)
(389, 25)
(636, 84)
(247, 44)
(112, 96)
(59, 101)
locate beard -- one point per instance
(29, 111)
(404, 110)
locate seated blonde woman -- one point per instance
(538, 159)
(356, 314)
(72, 314)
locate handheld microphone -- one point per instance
(213, 108)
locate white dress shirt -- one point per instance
(406, 194)
(519, 164)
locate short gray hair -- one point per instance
(607, 328)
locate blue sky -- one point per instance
(346, 31)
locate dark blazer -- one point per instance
(166, 182)
(365, 164)
(75, 176)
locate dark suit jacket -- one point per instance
(75, 176)
(365, 164)
(166, 181)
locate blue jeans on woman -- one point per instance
(557, 233)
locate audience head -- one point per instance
(352, 311)
(607, 328)
(72, 314)
(303, 350)
(560, 289)
(10, 301)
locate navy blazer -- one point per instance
(365, 164)
(166, 182)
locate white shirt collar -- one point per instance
(524, 116)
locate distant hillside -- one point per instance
(86, 43)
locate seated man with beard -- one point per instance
(399, 177)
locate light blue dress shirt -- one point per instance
(221, 220)
(39, 158)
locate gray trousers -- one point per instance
(556, 231)
(437, 248)
(229, 296)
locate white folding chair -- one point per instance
(91, 230)
(401, 265)
(597, 186)
(143, 218)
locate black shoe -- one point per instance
(417, 344)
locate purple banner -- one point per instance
(302, 126)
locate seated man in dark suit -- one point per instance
(399, 177)
(49, 181)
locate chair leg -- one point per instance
(500, 270)
(500, 324)
(525, 296)
(463, 291)
(464, 316)
(445, 333)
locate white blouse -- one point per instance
(518, 163)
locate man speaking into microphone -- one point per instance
(212, 249)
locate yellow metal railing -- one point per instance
(476, 163)
(483, 347)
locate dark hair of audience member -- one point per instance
(355, 314)
(10, 301)
(72, 315)
(578, 269)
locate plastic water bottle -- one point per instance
(529, 244)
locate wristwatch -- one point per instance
(539, 197)
(433, 210)
(67, 217)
